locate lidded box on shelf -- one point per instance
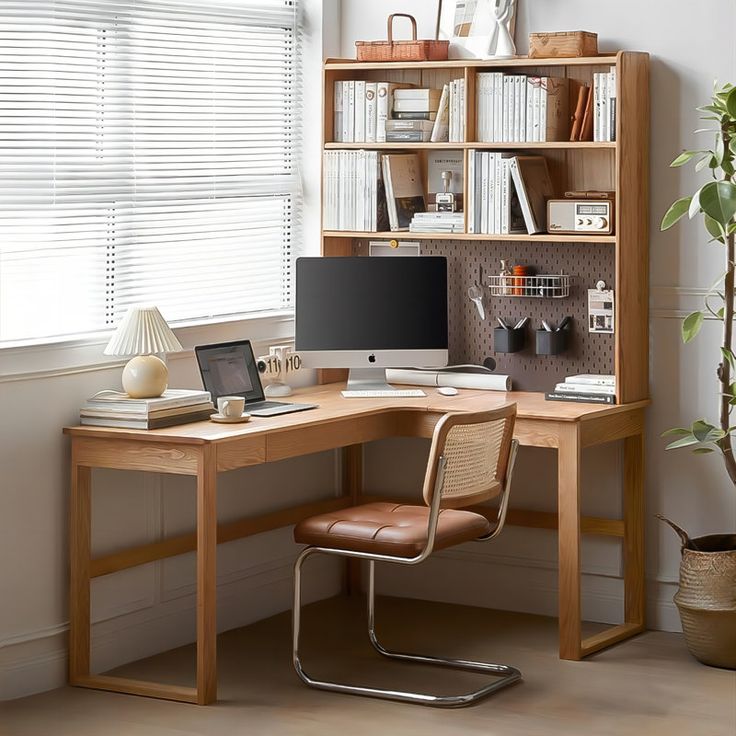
(562, 44)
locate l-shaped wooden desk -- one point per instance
(204, 449)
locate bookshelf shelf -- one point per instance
(519, 61)
(552, 145)
(405, 235)
(621, 260)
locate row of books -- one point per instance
(174, 406)
(354, 197)
(604, 104)
(374, 191)
(361, 110)
(588, 388)
(517, 108)
(508, 193)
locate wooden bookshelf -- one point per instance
(620, 166)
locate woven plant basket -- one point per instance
(706, 599)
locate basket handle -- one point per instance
(391, 25)
(684, 537)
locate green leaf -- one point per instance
(684, 442)
(702, 450)
(720, 149)
(732, 145)
(729, 357)
(714, 228)
(718, 199)
(700, 165)
(694, 204)
(691, 326)
(675, 212)
(701, 429)
(675, 432)
(731, 103)
(683, 158)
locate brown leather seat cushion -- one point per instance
(388, 529)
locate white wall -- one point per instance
(691, 45)
(151, 608)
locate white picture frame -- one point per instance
(478, 29)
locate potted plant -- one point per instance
(706, 598)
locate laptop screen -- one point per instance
(229, 369)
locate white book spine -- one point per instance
(463, 116)
(543, 108)
(529, 110)
(612, 104)
(382, 111)
(485, 180)
(481, 104)
(496, 193)
(360, 111)
(337, 106)
(440, 129)
(345, 138)
(507, 105)
(498, 106)
(470, 194)
(371, 118)
(522, 108)
(604, 107)
(596, 106)
(505, 195)
(351, 112)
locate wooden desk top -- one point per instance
(332, 406)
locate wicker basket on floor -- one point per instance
(414, 50)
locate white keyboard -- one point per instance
(408, 393)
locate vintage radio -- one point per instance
(581, 212)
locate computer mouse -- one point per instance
(447, 391)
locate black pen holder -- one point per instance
(509, 341)
(552, 343)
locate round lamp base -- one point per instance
(145, 377)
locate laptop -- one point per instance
(229, 369)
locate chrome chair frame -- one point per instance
(505, 675)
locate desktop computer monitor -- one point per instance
(371, 313)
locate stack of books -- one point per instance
(437, 222)
(590, 388)
(516, 108)
(174, 406)
(414, 115)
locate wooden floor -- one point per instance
(645, 687)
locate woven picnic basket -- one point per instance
(413, 50)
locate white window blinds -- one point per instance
(148, 154)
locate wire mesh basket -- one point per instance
(542, 286)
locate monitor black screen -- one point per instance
(379, 303)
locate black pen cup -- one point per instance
(509, 341)
(552, 343)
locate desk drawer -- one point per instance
(240, 453)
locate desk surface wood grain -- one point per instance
(332, 406)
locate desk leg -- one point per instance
(634, 574)
(80, 525)
(207, 577)
(568, 492)
(352, 488)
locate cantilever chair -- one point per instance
(471, 460)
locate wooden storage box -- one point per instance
(413, 50)
(562, 44)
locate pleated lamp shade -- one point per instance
(143, 331)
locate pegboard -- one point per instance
(471, 340)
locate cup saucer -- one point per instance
(222, 419)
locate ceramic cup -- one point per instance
(231, 406)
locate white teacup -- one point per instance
(231, 406)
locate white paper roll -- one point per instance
(483, 381)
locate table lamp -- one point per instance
(141, 333)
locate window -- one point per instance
(148, 154)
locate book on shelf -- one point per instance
(516, 108)
(404, 189)
(353, 196)
(172, 398)
(456, 111)
(439, 161)
(494, 207)
(441, 129)
(533, 187)
(604, 105)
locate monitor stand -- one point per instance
(368, 379)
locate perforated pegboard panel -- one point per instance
(471, 340)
